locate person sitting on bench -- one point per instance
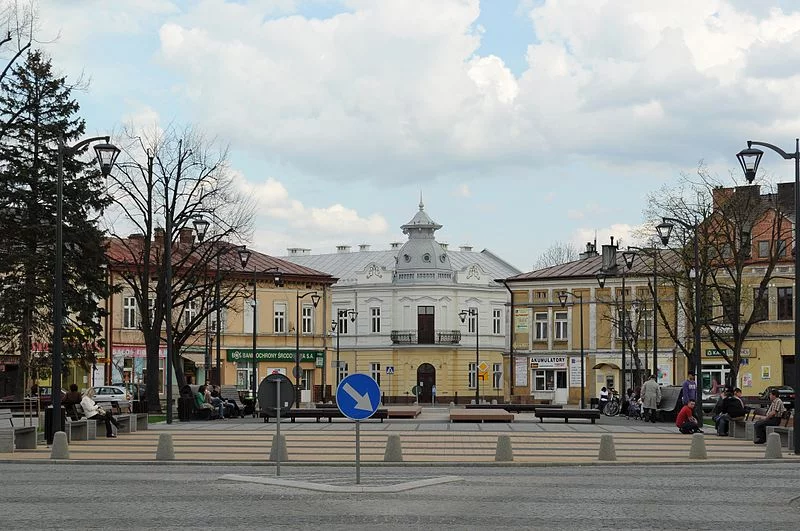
(95, 412)
(72, 398)
(732, 408)
(773, 418)
(686, 421)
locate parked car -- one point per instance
(134, 389)
(110, 393)
(710, 400)
(785, 393)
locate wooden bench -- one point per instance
(317, 413)
(404, 412)
(481, 415)
(566, 414)
(15, 437)
(785, 431)
(229, 392)
(514, 408)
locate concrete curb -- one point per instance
(323, 487)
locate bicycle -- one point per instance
(613, 406)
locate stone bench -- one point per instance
(15, 437)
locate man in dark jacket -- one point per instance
(70, 399)
(732, 407)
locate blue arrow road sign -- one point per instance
(358, 396)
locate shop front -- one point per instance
(129, 365)
(549, 378)
(277, 361)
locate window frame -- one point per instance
(497, 375)
(560, 328)
(472, 375)
(375, 372)
(497, 321)
(130, 311)
(785, 305)
(540, 326)
(375, 319)
(307, 319)
(279, 317)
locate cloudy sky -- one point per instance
(522, 122)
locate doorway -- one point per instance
(425, 331)
(562, 391)
(426, 379)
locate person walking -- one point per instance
(689, 389)
(773, 418)
(651, 396)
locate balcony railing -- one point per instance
(440, 337)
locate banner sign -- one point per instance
(267, 354)
(548, 362)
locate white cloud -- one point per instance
(462, 190)
(623, 236)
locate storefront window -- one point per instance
(545, 380)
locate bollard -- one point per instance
(773, 449)
(165, 450)
(504, 452)
(698, 448)
(60, 448)
(607, 450)
(278, 450)
(394, 450)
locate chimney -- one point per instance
(342, 248)
(394, 245)
(137, 236)
(186, 235)
(609, 256)
(158, 236)
(363, 247)
(591, 250)
(786, 195)
(466, 248)
(298, 251)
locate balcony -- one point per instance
(438, 337)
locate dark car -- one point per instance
(785, 393)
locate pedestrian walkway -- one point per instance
(427, 439)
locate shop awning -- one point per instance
(612, 365)
(198, 358)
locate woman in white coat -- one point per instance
(95, 412)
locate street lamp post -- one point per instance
(314, 300)
(463, 316)
(336, 327)
(664, 231)
(601, 280)
(106, 156)
(244, 257)
(562, 298)
(655, 306)
(749, 159)
(201, 227)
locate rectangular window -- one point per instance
(785, 308)
(544, 380)
(244, 375)
(727, 299)
(618, 324)
(561, 326)
(763, 249)
(129, 319)
(223, 318)
(497, 375)
(190, 311)
(471, 375)
(496, 322)
(781, 248)
(746, 245)
(344, 320)
(279, 309)
(375, 321)
(343, 371)
(540, 320)
(308, 318)
(646, 322)
(375, 372)
(307, 379)
(472, 322)
(760, 305)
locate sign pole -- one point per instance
(358, 452)
(278, 432)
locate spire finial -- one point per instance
(421, 205)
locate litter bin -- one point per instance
(185, 408)
(48, 423)
(140, 406)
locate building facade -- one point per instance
(396, 316)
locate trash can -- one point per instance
(185, 408)
(140, 406)
(48, 423)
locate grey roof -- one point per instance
(344, 265)
(590, 266)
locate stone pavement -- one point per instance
(428, 439)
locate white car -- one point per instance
(110, 393)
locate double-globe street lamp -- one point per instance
(244, 257)
(336, 326)
(106, 156)
(655, 304)
(562, 298)
(473, 312)
(749, 159)
(664, 231)
(627, 258)
(315, 298)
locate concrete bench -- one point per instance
(481, 415)
(15, 437)
(78, 430)
(317, 413)
(786, 434)
(141, 421)
(127, 423)
(514, 408)
(566, 414)
(745, 428)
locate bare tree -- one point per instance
(734, 279)
(17, 23)
(558, 253)
(180, 175)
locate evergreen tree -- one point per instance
(46, 114)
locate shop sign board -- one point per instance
(548, 362)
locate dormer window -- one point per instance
(426, 257)
(407, 258)
(442, 258)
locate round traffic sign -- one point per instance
(358, 396)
